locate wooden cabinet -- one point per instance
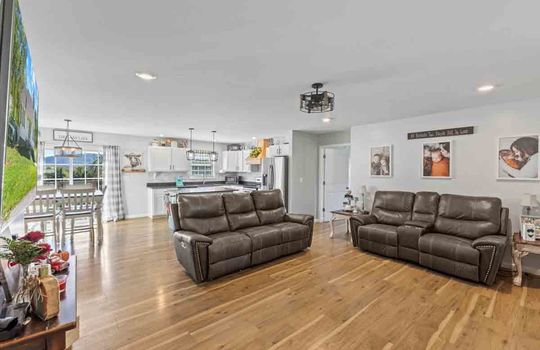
(167, 159)
(278, 150)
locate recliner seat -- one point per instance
(215, 235)
(462, 236)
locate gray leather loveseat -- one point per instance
(459, 235)
(219, 234)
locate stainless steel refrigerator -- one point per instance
(275, 175)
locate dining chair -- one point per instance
(77, 202)
(42, 210)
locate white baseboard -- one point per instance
(136, 216)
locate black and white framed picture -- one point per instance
(380, 160)
(437, 160)
(518, 158)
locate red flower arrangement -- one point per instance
(33, 236)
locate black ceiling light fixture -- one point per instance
(190, 154)
(213, 154)
(317, 101)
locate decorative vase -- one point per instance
(27, 285)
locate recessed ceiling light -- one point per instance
(326, 120)
(485, 88)
(253, 138)
(146, 76)
(161, 135)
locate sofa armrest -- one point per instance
(421, 224)
(359, 220)
(491, 250)
(303, 220)
(192, 252)
(299, 218)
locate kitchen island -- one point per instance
(160, 194)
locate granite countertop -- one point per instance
(198, 184)
(198, 190)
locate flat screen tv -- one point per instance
(19, 105)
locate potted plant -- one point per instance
(23, 251)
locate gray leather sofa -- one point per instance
(459, 235)
(218, 234)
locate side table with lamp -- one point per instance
(349, 210)
(527, 241)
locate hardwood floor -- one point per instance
(134, 295)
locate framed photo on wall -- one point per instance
(380, 161)
(518, 158)
(437, 160)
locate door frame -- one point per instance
(320, 194)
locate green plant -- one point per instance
(20, 251)
(255, 152)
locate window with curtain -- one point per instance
(202, 166)
(61, 171)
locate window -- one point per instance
(202, 166)
(61, 171)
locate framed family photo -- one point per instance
(437, 160)
(518, 158)
(380, 161)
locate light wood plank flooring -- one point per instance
(134, 295)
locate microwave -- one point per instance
(229, 179)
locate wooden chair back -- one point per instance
(44, 204)
(77, 199)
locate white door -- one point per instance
(159, 159)
(335, 179)
(179, 160)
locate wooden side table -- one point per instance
(342, 215)
(521, 248)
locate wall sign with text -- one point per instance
(467, 130)
(78, 135)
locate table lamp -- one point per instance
(363, 192)
(528, 201)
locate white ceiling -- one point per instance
(238, 66)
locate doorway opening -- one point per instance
(334, 178)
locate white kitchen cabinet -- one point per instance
(278, 150)
(232, 161)
(179, 161)
(246, 167)
(167, 159)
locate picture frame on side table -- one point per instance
(437, 159)
(530, 227)
(381, 163)
(517, 158)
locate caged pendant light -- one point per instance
(190, 154)
(70, 148)
(213, 154)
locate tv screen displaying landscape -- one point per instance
(20, 159)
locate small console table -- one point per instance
(342, 215)
(521, 248)
(56, 333)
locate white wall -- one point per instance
(303, 170)
(335, 138)
(133, 184)
(475, 156)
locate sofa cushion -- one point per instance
(449, 247)
(240, 210)
(228, 245)
(468, 217)
(426, 205)
(393, 207)
(269, 206)
(380, 233)
(263, 236)
(203, 214)
(292, 231)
